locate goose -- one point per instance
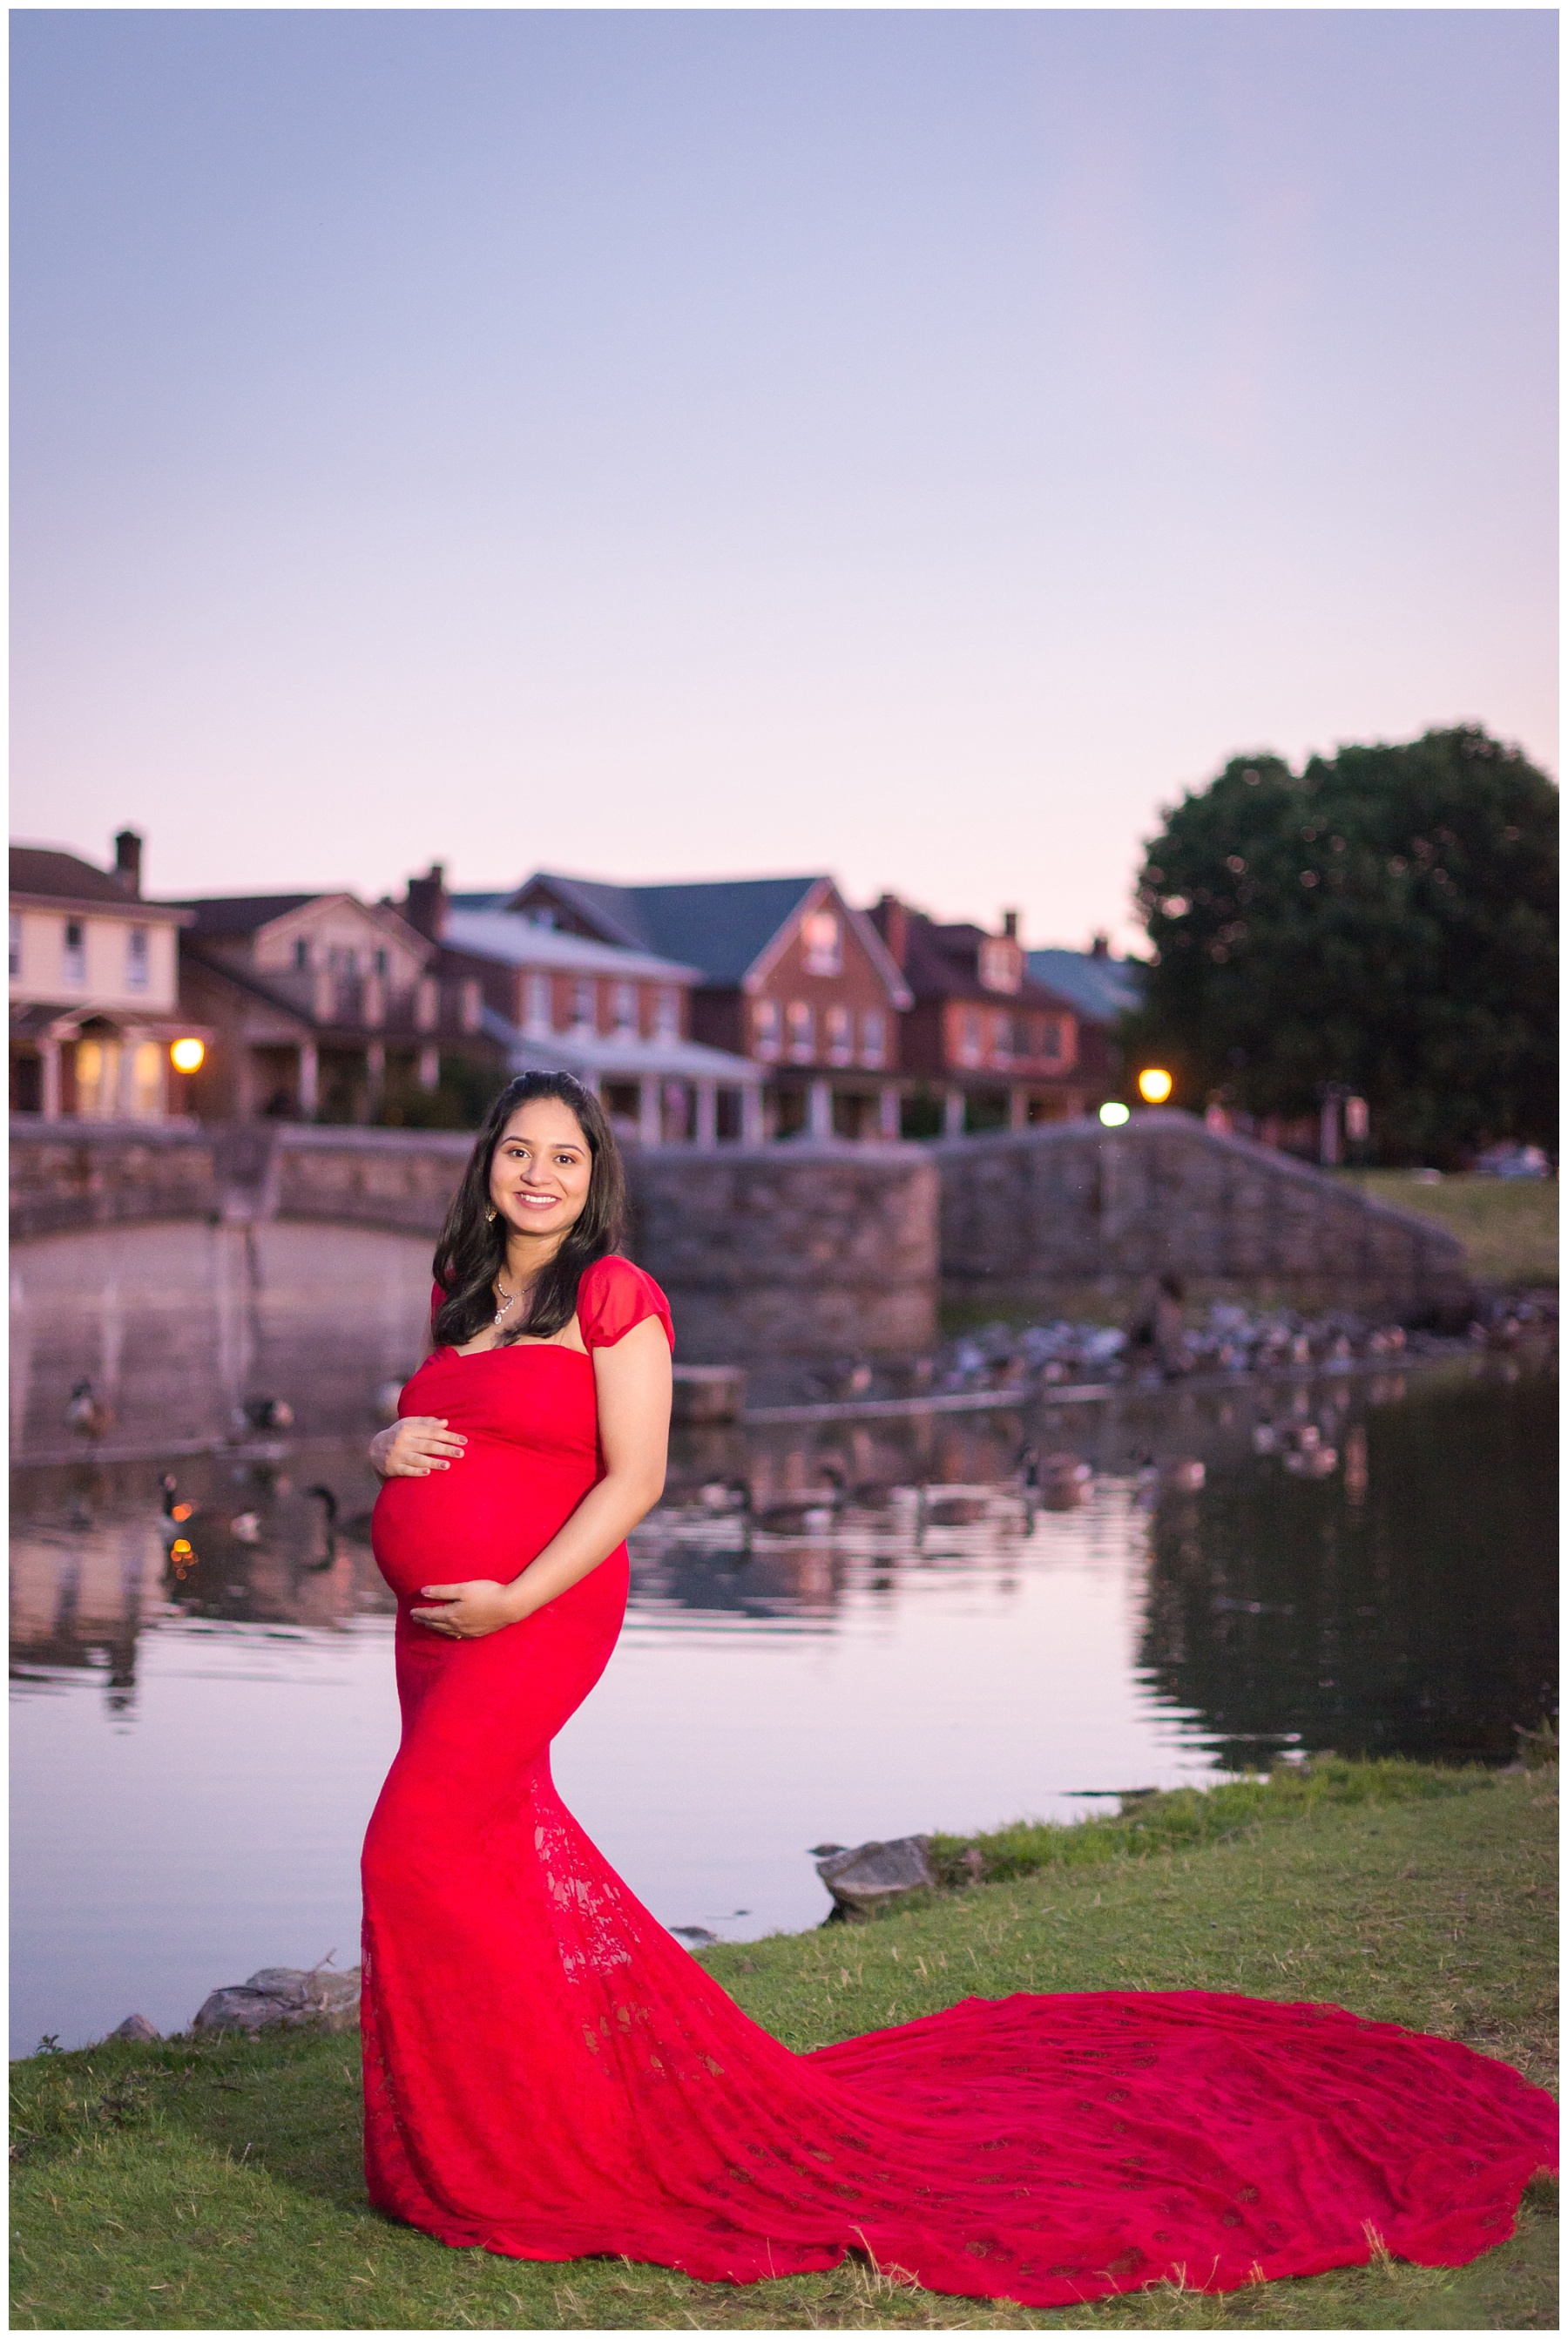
(268, 1413)
(329, 1501)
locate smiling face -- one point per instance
(541, 1170)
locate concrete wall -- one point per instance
(796, 1250)
(74, 1174)
(1077, 1214)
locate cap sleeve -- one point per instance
(613, 1297)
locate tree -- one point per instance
(1384, 919)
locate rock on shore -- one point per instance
(284, 1993)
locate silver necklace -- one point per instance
(510, 1301)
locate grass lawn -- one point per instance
(217, 2186)
(1508, 1225)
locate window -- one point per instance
(585, 1004)
(802, 1021)
(97, 1079)
(969, 1035)
(147, 1080)
(536, 1005)
(1049, 1045)
(1001, 965)
(302, 956)
(666, 1015)
(136, 958)
(472, 1008)
(15, 944)
(824, 939)
(766, 1024)
(1001, 1038)
(872, 1036)
(623, 1010)
(840, 1036)
(383, 963)
(75, 965)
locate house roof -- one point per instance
(1099, 988)
(45, 873)
(503, 934)
(722, 926)
(942, 962)
(220, 916)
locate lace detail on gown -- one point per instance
(548, 2074)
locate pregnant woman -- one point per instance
(548, 2074)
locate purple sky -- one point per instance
(695, 444)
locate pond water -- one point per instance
(892, 1636)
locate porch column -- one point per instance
(429, 1067)
(819, 1108)
(1017, 1107)
(650, 1123)
(888, 1123)
(310, 1080)
(708, 1112)
(952, 1112)
(49, 1084)
(375, 1076)
(753, 1131)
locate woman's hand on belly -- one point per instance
(414, 1447)
(470, 1610)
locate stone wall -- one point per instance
(795, 1250)
(1078, 1214)
(73, 1174)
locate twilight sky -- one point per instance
(662, 445)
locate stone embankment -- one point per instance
(186, 1275)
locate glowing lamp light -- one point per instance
(186, 1055)
(1154, 1086)
(1114, 1116)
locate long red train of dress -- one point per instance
(548, 2074)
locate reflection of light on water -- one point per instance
(197, 1749)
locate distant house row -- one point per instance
(702, 1014)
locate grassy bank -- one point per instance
(1508, 1225)
(216, 2186)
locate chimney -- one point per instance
(425, 904)
(1100, 946)
(128, 863)
(892, 921)
(1010, 924)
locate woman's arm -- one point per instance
(632, 1382)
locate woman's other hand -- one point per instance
(413, 1447)
(469, 1611)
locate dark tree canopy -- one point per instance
(1386, 919)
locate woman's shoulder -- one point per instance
(613, 1296)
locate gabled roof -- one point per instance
(724, 926)
(942, 962)
(1099, 988)
(45, 873)
(224, 916)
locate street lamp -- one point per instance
(1114, 1116)
(1154, 1085)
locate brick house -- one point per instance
(790, 977)
(985, 1044)
(324, 1007)
(94, 992)
(618, 1018)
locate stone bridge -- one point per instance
(183, 1271)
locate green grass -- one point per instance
(191, 2185)
(1508, 1225)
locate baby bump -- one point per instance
(488, 1515)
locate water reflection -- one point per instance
(838, 1630)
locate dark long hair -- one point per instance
(473, 1247)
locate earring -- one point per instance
(490, 1216)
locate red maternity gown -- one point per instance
(549, 2074)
